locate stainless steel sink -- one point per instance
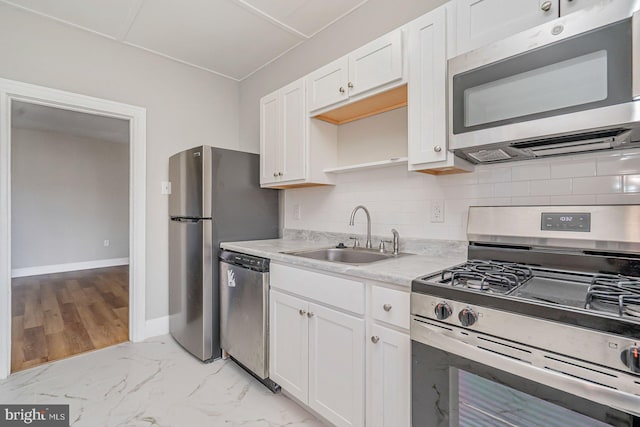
(345, 255)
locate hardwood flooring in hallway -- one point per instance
(59, 315)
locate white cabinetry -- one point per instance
(481, 22)
(427, 107)
(389, 403)
(373, 65)
(389, 359)
(317, 352)
(286, 156)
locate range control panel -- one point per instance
(570, 221)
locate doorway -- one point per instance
(70, 233)
(12, 92)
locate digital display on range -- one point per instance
(574, 221)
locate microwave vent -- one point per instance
(494, 155)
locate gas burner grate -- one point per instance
(487, 276)
(620, 293)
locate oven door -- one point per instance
(560, 78)
(457, 384)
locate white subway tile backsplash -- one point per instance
(401, 199)
(551, 187)
(573, 169)
(573, 199)
(530, 172)
(631, 183)
(618, 199)
(619, 165)
(597, 185)
(488, 176)
(508, 189)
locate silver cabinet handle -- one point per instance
(350, 85)
(375, 339)
(546, 6)
(437, 148)
(275, 174)
(341, 89)
(279, 173)
(387, 307)
(310, 314)
(302, 312)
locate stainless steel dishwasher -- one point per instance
(244, 313)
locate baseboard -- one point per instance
(74, 266)
(155, 327)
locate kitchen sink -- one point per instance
(346, 255)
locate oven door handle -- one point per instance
(436, 337)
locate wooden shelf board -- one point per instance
(376, 104)
(305, 185)
(370, 165)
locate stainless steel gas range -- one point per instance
(541, 326)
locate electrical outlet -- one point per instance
(165, 187)
(437, 210)
(106, 243)
(297, 212)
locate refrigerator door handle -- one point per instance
(182, 219)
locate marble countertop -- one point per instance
(399, 271)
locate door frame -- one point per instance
(11, 90)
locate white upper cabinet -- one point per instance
(328, 84)
(376, 63)
(286, 156)
(427, 97)
(481, 22)
(373, 65)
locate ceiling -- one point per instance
(25, 115)
(232, 38)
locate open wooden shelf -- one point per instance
(376, 104)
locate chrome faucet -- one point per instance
(366, 211)
(396, 241)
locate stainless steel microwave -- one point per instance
(568, 86)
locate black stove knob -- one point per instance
(631, 358)
(467, 317)
(443, 310)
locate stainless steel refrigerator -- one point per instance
(215, 197)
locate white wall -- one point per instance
(371, 20)
(68, 194)
(401, 199)
(185, 106)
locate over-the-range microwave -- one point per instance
(571, 85)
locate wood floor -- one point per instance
(58, 315)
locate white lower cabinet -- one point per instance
(388, 381)
(316, 355)
(341, 346)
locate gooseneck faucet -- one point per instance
(351, 222)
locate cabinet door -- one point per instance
(568, 6)
(270, 141)
(389, 376)
(376, 63)
(294, 131)
(427, 115)
(336, 366)
(328, 84)
(289, 344)
(481, 22)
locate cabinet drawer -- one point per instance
(335, 291)
(390, 306)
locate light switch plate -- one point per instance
(165, 187)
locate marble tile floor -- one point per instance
(153, 383)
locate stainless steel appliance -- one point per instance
(244, 312)
(568, 86)
(215, 197)
(540, 327)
